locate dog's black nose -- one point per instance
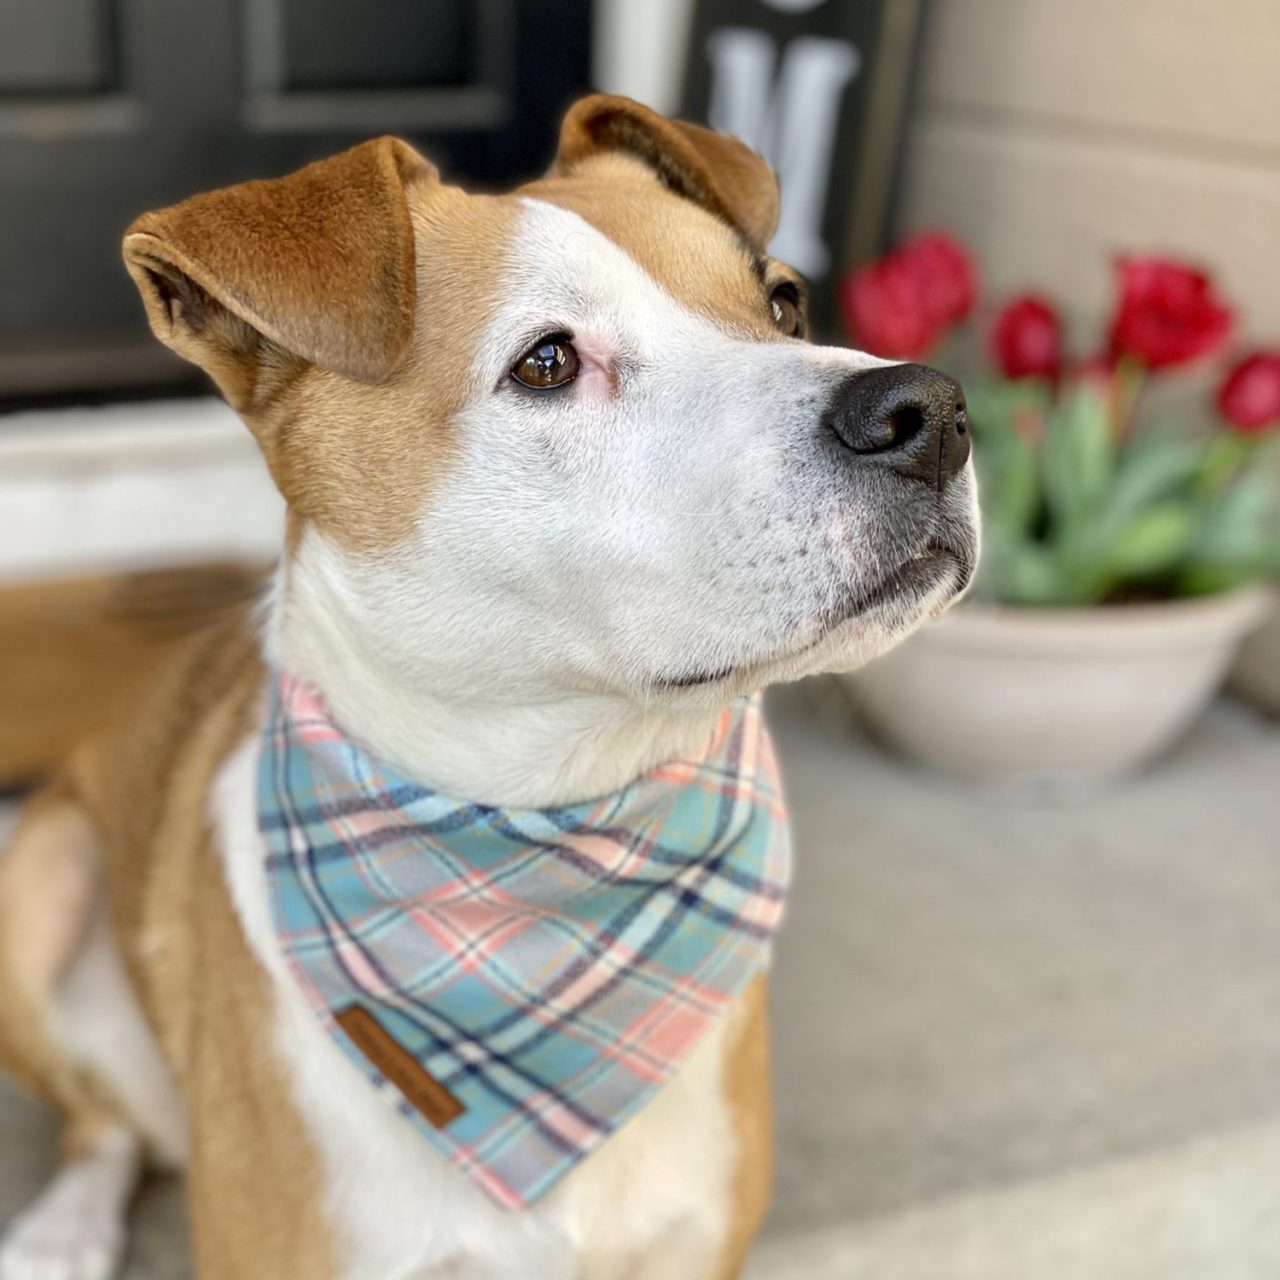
(907, 417)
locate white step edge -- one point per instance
(1205, 1210)
(129, 486)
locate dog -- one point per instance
(565, 482)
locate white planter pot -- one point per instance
(1060, 693)
(1256, 675)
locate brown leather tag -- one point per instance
(422, 1089)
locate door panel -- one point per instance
(76, 54)
(445, 65)
(111, 107)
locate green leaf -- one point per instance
(1239, 525)
(1010, 485)
(1151, 544)
(1079, 455)
(1155, 472)
(1025, 573)
(1211, 579)
(1226, 454)
(1074, 512)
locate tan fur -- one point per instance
(132, 814)
(320, 262)
(710, 169)
(48, 880)
(73, 649)
(746, 1070)
(696, 256)
(359, 460)
(355, 419)
(254, 1188)
(618, 164)
(356, 456)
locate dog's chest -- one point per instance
(659, 1190)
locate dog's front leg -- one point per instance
(255, 1191)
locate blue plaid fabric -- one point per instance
(547, 969)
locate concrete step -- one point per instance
(1207, 1210)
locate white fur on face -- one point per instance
(677, 511)
(591, 555)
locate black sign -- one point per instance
(819, 87)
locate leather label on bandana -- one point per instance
(419, 1087)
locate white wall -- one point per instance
(1053, 133)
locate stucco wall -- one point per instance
(1053, 133)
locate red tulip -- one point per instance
(884, 312)
(1168, 313)
(899, 304)
(1249, 398)
(948, 279)
(1026, 340)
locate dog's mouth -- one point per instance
(913, 578)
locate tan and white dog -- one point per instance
(563, 479)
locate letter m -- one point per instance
(791, 119)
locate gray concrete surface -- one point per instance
(1014, 1039)
(1203, 1210)
(974, 988)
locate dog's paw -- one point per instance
(43, 1245)
(75, 1230)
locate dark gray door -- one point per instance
(111, 107)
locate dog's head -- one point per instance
(570, 438)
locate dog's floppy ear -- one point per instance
(317, 266)
(713, 169)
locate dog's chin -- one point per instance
(868, 623)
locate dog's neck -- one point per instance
(561, 748)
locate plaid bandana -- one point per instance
(517, 982)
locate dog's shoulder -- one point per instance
(162, 748)
(146, 779)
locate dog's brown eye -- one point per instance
(784, 306)
(552, 363)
